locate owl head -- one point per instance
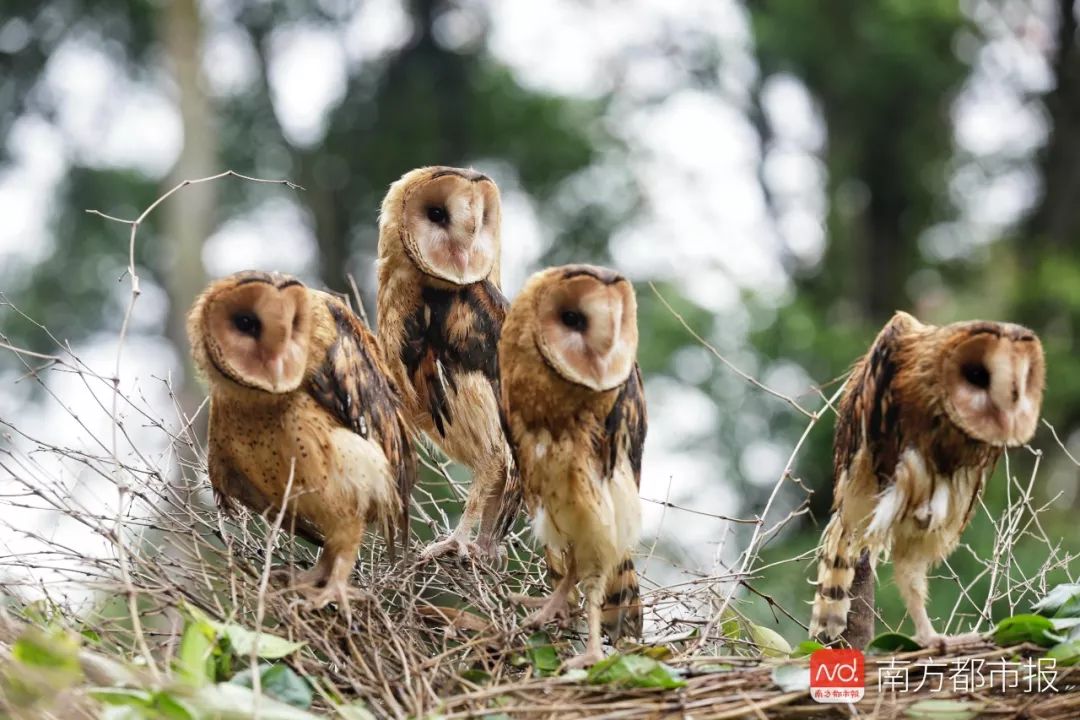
(584, 321)
(993, 374)
(446, 221)
(252, 329)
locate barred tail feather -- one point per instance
(836, 573)
(621, 613)
(513, 497)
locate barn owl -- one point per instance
(923, 420)
(440, 311)
(298, 387)
(574, 410)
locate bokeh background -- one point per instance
(785, 173)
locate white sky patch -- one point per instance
(307, 79)
(592, 48)
(274, 236)
(693, 480)
(999, 122)
(792, 170)
(991, 119)
(679, 414)
(109, 120)
(762, 462)
(376, 28)
(144, 359)
(523, 239)
(696, 157)
(25, 188)
(229, 63)
(792, 113)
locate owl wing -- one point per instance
(353, 386)
(869, 412)
(624, 428)
(454, 332)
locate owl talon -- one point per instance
(288, 577)
(316, 598)
(463, 549)
(949, 643)
(548, 609)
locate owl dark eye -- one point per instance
(437, 214)
(247, 323)
(976, 374)
(574, 320)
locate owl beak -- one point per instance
(459, 259)
(277, 371)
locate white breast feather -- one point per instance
(361, 463)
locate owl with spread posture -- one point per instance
(574, 410)
(440, 312)
(922, 423)
(298, 389)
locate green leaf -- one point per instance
(228, 701)
(1024, 628)
(54, 650)
(892, 642)
(806, 647)
(542, 655)
(122, 696)
(279, 682)
(159, 705)
(771, 643)
(1063, 602)
(1066, 653)
(49, 663)
(635, 671)
(944, 710)
(172, 708)
(195, 660)
(729, 629)
(477, 677)
(241, 640)
(791, 677)
(266, 645)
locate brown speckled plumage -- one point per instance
(924, 419)
(440, 312)
(574, 410)
(327, 405)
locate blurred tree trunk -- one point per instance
(1048, 258)
(1055, 223)
(189, 215)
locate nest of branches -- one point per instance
(125, 588)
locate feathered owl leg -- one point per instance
(594, 602)
(487, 483)
(910, 576)
(328, 581)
